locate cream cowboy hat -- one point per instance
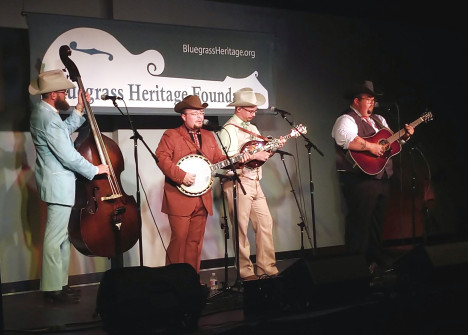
(246, 97)
(190, 102)
(50, 81)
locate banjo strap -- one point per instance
(191, 143)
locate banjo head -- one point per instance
(200, 166)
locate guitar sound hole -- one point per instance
(384, 143)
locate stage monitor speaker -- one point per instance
(309, 283)
(434, 264)
(150, 299)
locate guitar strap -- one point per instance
(250, 132)
(381, 126)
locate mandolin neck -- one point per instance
(232, 160)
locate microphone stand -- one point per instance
(136, 136)
(413, 197)
(427, 222)
(2, 328)
(225, 228)
(301, 224)
(235, 180)
(309, 145)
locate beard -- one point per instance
(61, 105)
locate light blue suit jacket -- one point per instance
(57, 159)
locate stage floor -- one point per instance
(392, 304)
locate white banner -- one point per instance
(152, 67)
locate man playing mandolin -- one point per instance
(251, 206)
(366, 194)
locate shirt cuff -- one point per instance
(80, 113)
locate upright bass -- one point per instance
(104, 220)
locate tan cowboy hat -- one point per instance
(365, 88)
(191, 102)
(246, 97)
(50, 81)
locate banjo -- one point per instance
(203, 169)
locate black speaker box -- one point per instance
(307, 284)
(434, 265)
(147, 299)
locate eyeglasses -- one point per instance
(250, 110)
(196, 114)
(63, 91)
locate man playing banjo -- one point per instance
(187, 213)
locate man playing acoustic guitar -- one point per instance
(366, 195)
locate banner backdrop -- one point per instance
(151, 67)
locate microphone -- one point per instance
(208, 125)
(387, 107)
(281, 152)
(279, 111)
(110, 97)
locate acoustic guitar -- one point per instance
(371, 164)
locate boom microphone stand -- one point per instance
(301, 224)
(136, 136)
(2, 328)
(413, 197)
(309, 145)
(235, 180)
(225, 228)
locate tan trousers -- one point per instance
(252, 207)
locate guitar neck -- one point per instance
(402, 132)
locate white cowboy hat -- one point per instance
(246, 97)
(50, 81)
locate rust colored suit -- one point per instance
(187, 214)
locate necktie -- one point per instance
(195, 134)
(366, 118)
(246, 125)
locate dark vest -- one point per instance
(346, 163)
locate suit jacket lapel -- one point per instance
(188, 139)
